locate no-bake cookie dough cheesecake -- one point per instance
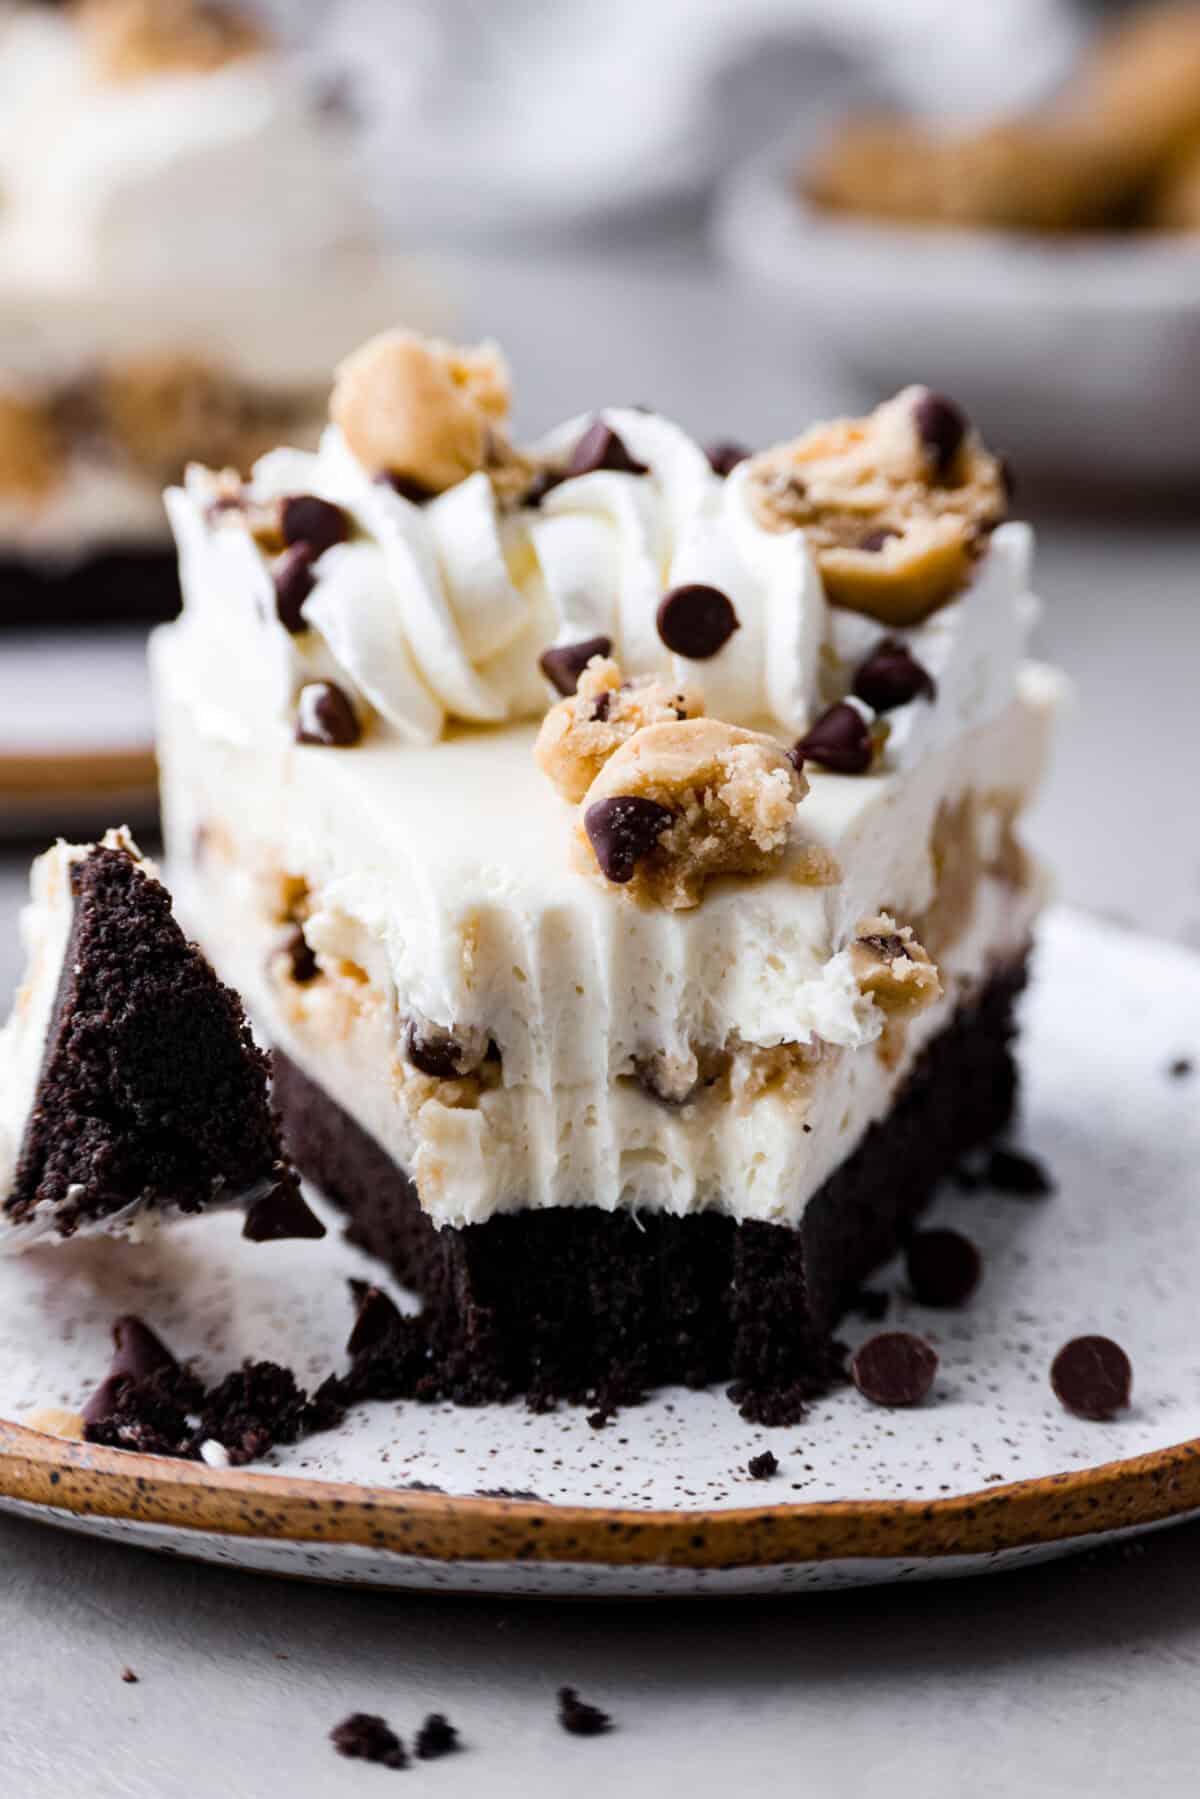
(618, 842)
(182, 259)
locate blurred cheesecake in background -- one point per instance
(183, 255)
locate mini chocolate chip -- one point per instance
(1180, 1068)
(1092, 1377)
(603, 706)
(544, 482)
(325, 716)
(563, 665)
(762, 1467)
(302, 960)
(364, 1736)
(839, 741)
(894, 1368)
(282, 1214)
(1011, 1172)
(723, 458)
(436, 1737)
(407, 486)
(293, 577)
(438, 1056)
(696, 621)
(941, 426)
(623, 830)
(376, 1319)
(891, 676)
(578, 1717)
(875, 540)
(943, 1267)
(303, 518)
(600, 447)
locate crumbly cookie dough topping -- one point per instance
(131, 40)
(580, 734)
(680, 804)
(897, 506)
(892, 967)
(426, 414)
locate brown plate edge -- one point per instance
(91, 1481)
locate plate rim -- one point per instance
(87, 1480)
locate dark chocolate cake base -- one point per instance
(587, 1305)
(140, 587)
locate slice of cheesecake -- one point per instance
(130, 1085)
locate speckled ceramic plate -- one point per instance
(989, 1472)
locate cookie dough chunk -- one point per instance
(682, 803)
(897, 506)
(580, 734)
(892, 967)
(422, 412)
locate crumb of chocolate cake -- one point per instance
(436, 1737)
(364, 1736)
(506, 1493)
(762, 1467)
(1180, 1068)
(1011, 1171)
(129, 1677)
(259, 1405)
(579, 1718)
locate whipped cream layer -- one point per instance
(437, 613)
(439, 897)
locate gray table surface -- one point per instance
(1075, 1678)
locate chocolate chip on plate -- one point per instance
(723, 458)
(433, 1053)
(293, 577)
(762, 1467)
(894, 1368)
(875, 540)
(696, 620)
(436, 1737)
(303, 518)
(281, 1215)
(840, 741)
(1092, 1377)
(891, 676)
(1011, 1172)
(941, 426)
(565, 662)
(943, 1267)
(578, 1717)
(364, 1736)
(622, 830)
(600, 447)
(324, 715)
(376, 1318)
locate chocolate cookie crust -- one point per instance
(580, 1303)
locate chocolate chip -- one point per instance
(941, 426)
(600, 447)
(281, 1214)
(1092, 1377)
(435, 1054)
(603, 706)
(723, 458)
(1181, 1068)
(136, 1349)
(325, 716)
(894, 1368)
(365, 1737)
(1011, 1172)
(302, 961)
(407, 486)
(578, 1717)
(129, 1677)
(544, 482)
(436, 1737)
(891, 676)
(303, 518)
(696, 621)
(293, 577)
(563, 665)
(875, 540)
(377, 1318)
(943, 1267)
(839, 741)
(762, 1467)
(622, 831)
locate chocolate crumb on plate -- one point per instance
(762, 1467)
(1092, 1377)
(563, 664)
(364, 1736)
(129, 1677)
(579, 1718)
(943, 1267)
(436, 1737)
(894, 1368)
(1180, 1068)
(1010, 1171)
